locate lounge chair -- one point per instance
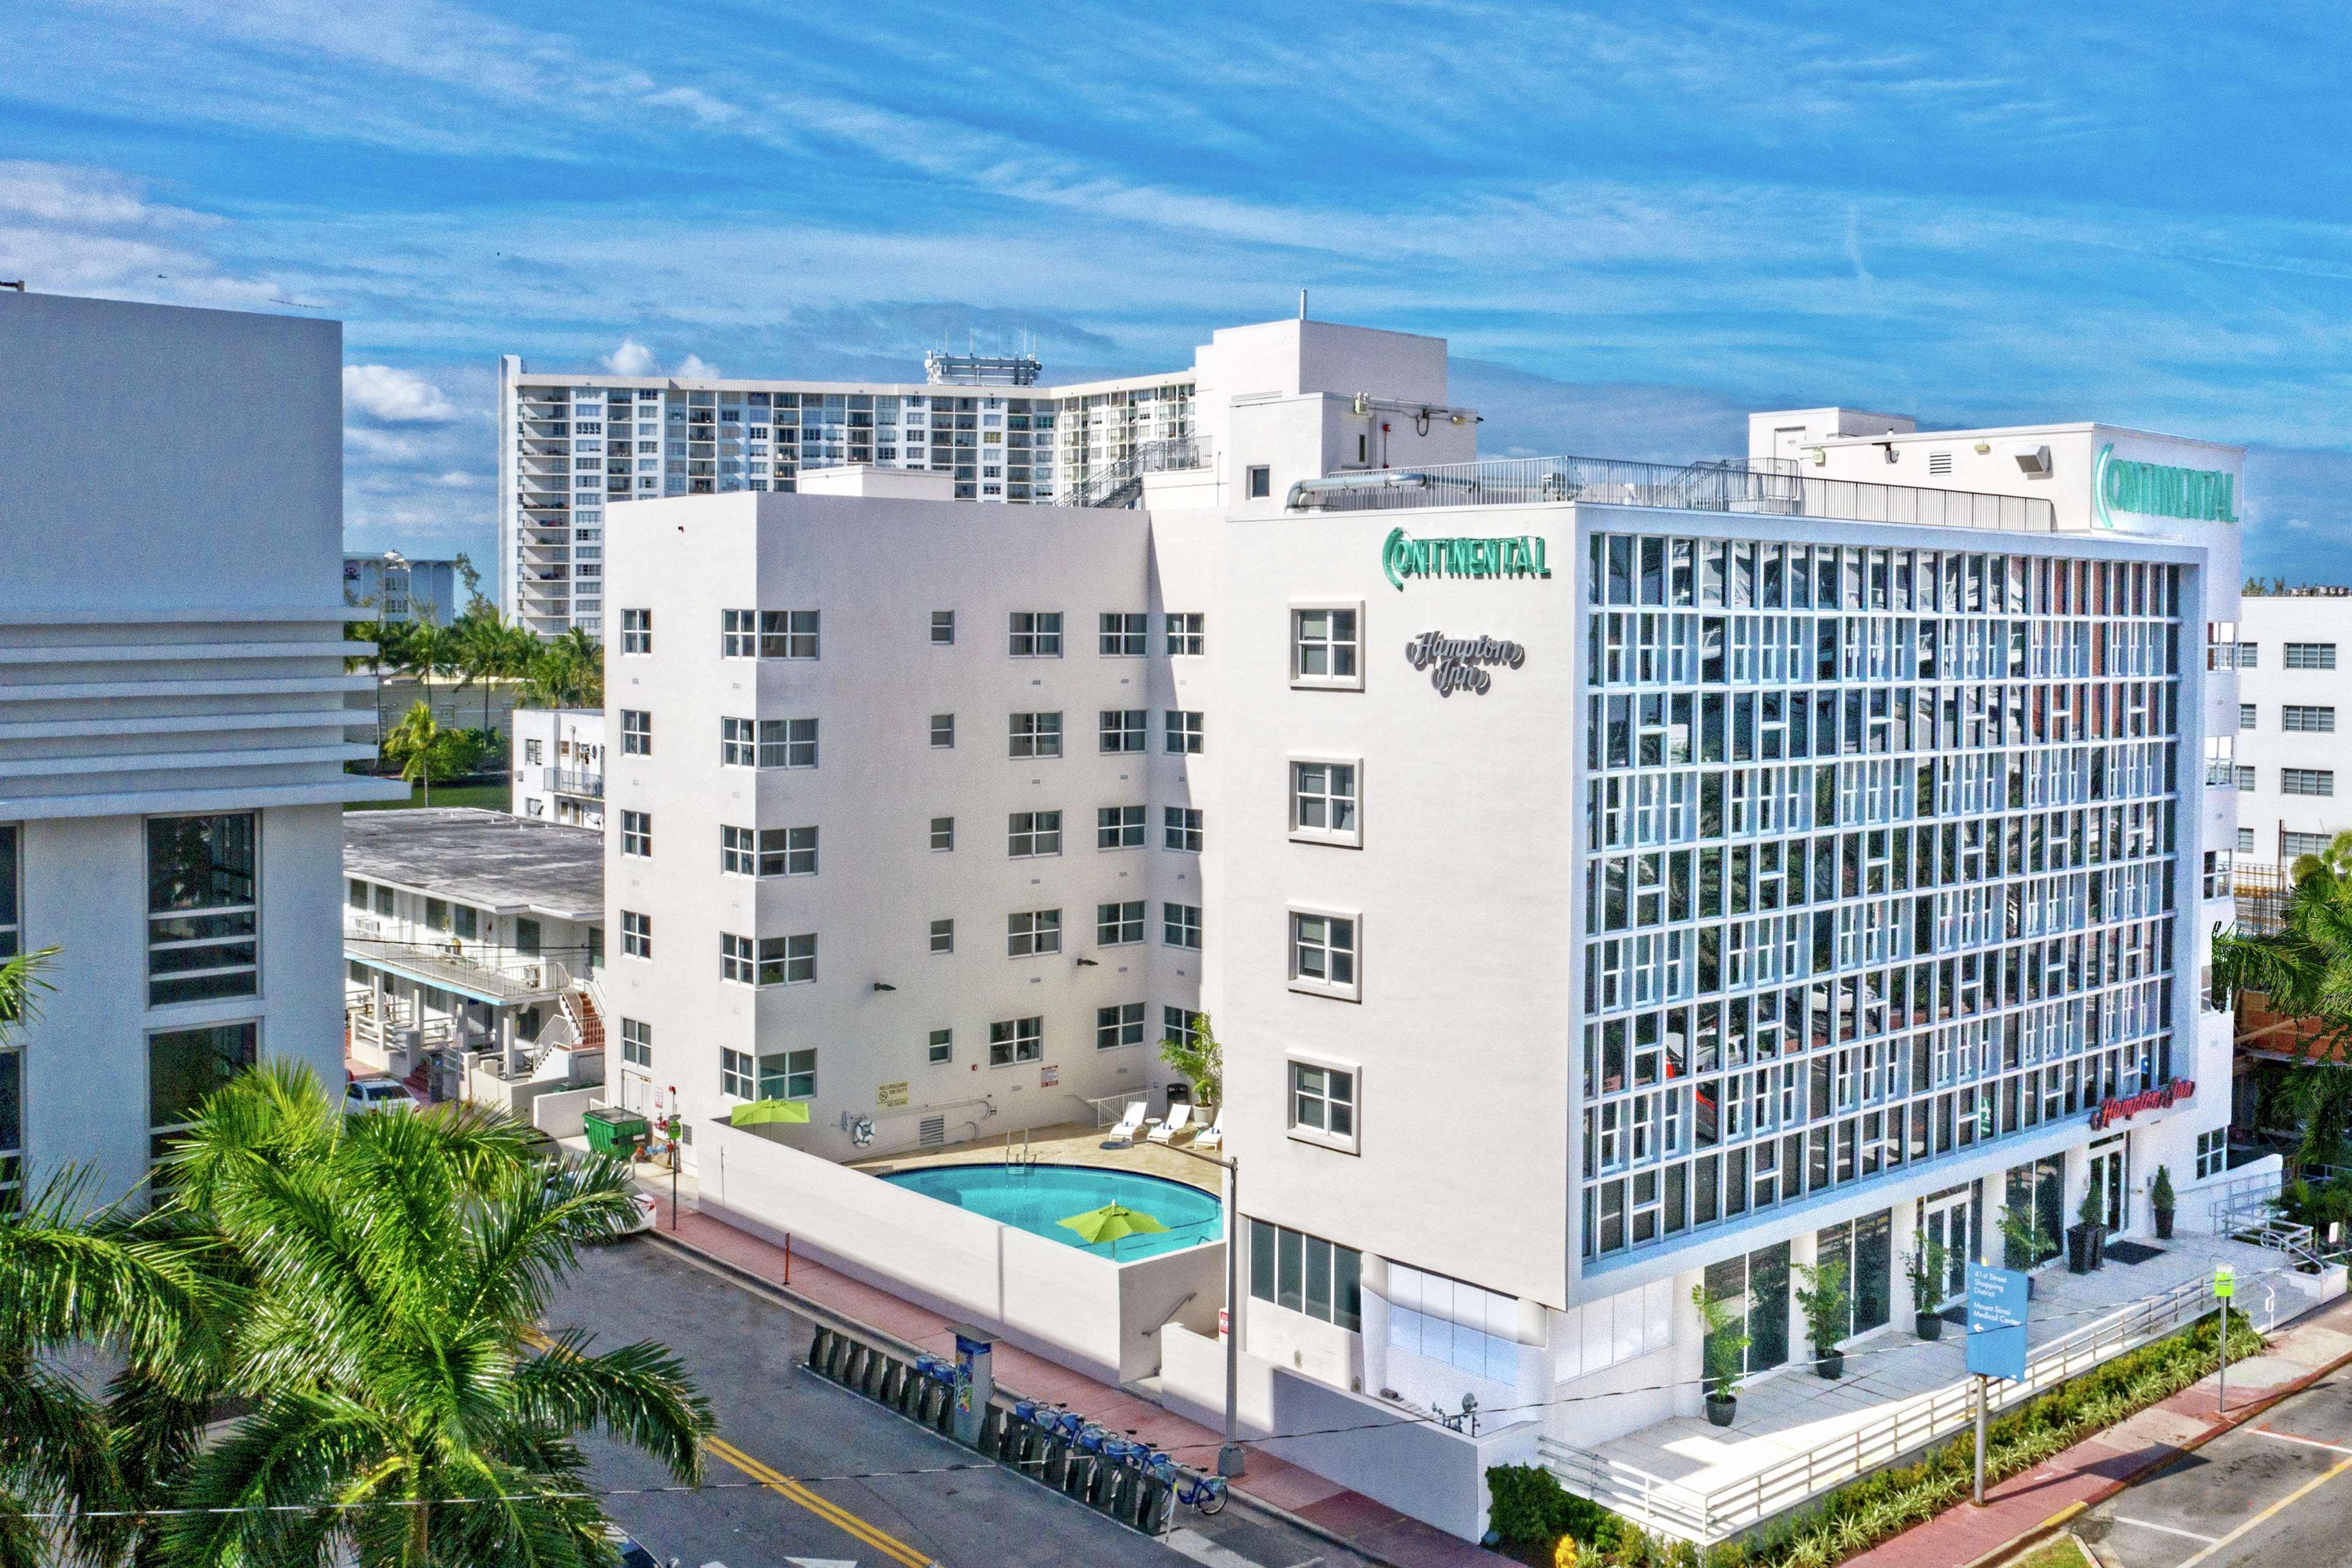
(1178, 1125)
(1129, 1124)
(1213, 1136)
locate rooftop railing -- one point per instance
(1770, 486)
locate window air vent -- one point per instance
(931, 1133)
(1939, 462)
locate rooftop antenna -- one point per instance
(1302, 304)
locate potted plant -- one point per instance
(1925, 1268)
(1826, 1302)
(2027, 1239)
(2161, 1200)
(2083, 1238)
(1727, 1352)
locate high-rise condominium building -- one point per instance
(1606, 879)
(2290, 751)
(572, 445)
(399, 589)
(174, 723)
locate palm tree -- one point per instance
(430, 650)
(399, 1266)
(414, 742)
(2304, 968)
(74, 1274)
(481, 655)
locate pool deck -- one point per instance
(1064, 1144)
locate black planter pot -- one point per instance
(1928, 1325)
(1719, 1411)
(2078, 1249)
(1830, 1365)
(2164, 1225)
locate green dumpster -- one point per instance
(619, 1133)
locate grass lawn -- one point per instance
(2058, 1553)
(492, 796)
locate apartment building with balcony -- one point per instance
(571, 444)
(559, 765)
(1607, 878)
(174, 716)
(2291, 752)
(399, 589)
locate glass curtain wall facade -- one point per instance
(1881, 863)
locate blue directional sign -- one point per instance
(1996, 1339)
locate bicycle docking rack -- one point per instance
(1051, 1447)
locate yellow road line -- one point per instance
(2275, 1509)
(776, 1481)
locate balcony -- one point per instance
(571, 781)
(487, 974)
(1768, 486)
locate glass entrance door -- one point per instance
(1946, 1221)
(2110, 1178)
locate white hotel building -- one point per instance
(572, 445)
(1604, 878)
(2294, 757)
(174, 716)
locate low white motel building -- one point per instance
(1605, 878)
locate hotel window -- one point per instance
(1121, 1024)
(942, 628)
(788, 634)
(788, 743)
(1459, 1325)
(2212, 1152)
(1016, 1040)
(1118, 924)
(2304, 720)
(2310, 656)
(1323, 801)
(636, 631)
(636, 733)
(2243, 777)
(355, 896)
(738, 959)
(1031, 932)
(1307, 1274)
(2245, 841)
(2246, 713)
(1261, 481)
(939, 1048)
(1182, 826)
(12, 912)
(1123, 636)
(1121, 729)
(637, 833)
(1036, 735)
(2292, 847)
(636, 934)
(534, 753)
(943, 936)
(1179, 925)
(1028, 833)
(788, 959)
(636, 1043)
(1323, 953)
(1323, 648)
(185, 1067)
(1180, 1024)
(942, 732)
(737, 1074)
(1866, 1247)
(942, 833)
(1187, 634)
(202, 907)
(2308, 780)
(1036, 633)
(1323, 1105)
(790, 1075)
(739, 634)
(1119, 827)
(1184, 732)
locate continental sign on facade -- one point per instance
(1403, 556)
(2151, 490)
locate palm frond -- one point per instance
(639, 1393)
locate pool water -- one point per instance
(1033, 1197)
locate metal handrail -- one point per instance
(572, 781)
(1771, 486)
(1169, 454)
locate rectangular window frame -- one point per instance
(1341, 657)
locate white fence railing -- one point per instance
(1672, 1508)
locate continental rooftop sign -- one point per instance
(2151, 490)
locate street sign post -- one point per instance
(2225, 1285)
(1996, 1341)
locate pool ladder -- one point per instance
(1019, 1159)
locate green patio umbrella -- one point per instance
(1111, 1222)
(762, 1112)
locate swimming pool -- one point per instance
(1033, 1197)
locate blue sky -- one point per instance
(1634, 222)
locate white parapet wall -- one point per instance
(1098, 1317)
(1412, 1464)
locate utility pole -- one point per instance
(1231, 1460)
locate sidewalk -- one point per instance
(2041, 1500)
(1349, 1518)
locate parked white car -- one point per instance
(365, 1095)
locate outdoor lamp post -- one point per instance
(1231, 1460)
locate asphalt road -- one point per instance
(860, 1494)
(2275, 1491)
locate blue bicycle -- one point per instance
(1194, 1488)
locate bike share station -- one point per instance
(1050, 1445)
